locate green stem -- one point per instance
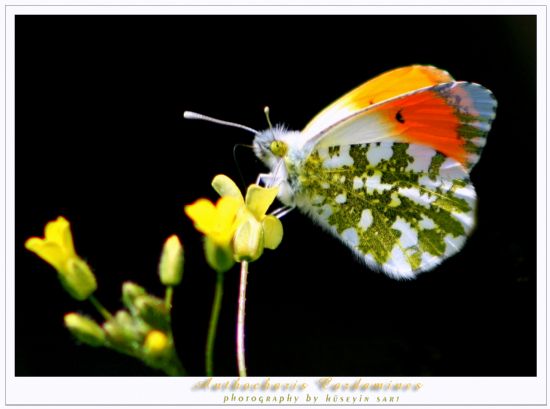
(241, 362)
(168, 298)
(213, 325)
(100, 308)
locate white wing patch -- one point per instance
(422, 158)
(337, 160)
(366, 219)
(378, 152)
(409, 236)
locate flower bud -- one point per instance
(171, 262)
(77, 279)
(220, 258)
(85, 329)
(123, 330)
(153, 311)
(156, 343)
(248, 242)
(131, 291)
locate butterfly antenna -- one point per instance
(194, 115)
(266, 112)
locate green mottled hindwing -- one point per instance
(400, 207)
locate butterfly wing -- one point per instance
(453, 118)
(400, 207)
(391, 179)
(381, 88)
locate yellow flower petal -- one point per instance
(216, 222)
(227, 208)
(203, 214)
(52, 253)
(273, 232)
(34, 244)
(67, 237)
(226, 187)
(258, 199)
(59, 231)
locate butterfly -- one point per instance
(385, 168)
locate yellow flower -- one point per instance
(258, 200)
(254, 229)
(236, 224)
(217, 223)
(57, 249)
(251, 236)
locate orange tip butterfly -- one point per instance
(386, 167)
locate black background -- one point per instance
(100, 139)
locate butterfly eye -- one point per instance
(279, 148)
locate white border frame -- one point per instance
(178, 391)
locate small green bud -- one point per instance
(220, 258)
(248, 242)
(115, 334)
(171, 262)
(123, 329)
(78, 279)
(85, 329)
(153, 311)
(131, 291)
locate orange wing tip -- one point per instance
(453, 118)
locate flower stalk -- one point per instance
(241, 361)
(100, 308)
(213, 325)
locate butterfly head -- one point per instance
(270, 145)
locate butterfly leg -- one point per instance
(265, 179)
(282, 211)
